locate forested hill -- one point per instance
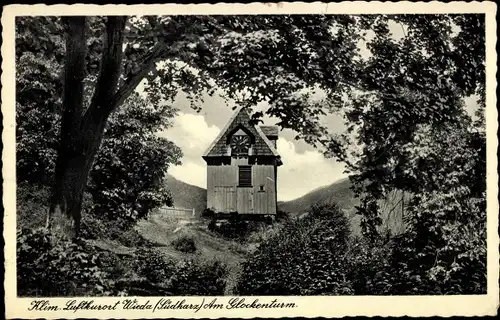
(338, 192)
(186, 195)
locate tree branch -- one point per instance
(109, 74)
(147, 63)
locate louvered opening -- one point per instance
(245, 176)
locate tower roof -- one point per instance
(241, 119)
(270, 130)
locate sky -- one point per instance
(304, 168)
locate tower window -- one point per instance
(245, 176)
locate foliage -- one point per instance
(117, 267)
(52, 267)
(306, 257)
(127, 180)
(446, 238)
(201, 278)
(92, 228)
(236, 228)
(47, 267)
(154, 266)
(186, 277)
(233, 228)
(368, 266)
(38, 97)
(31, 205)
(443, 250)
(119, 230)
(282, 215)
(184, 244)
(131, 238)
(207, 213)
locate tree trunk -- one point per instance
(66, 199)
(82, 133)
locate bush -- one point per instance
(187, 277)
(199, 278)
(93, 228)
(120, 230)
(32, 205)
(154, 266)
(53, 267)
(116, 266)
(208, 213)
(369, 270)
(231, 229)
(282, 215)
(237, 229)
(184, 244)
(132, 238)
(305, 257)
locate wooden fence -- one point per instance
(177, 212)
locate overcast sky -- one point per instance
(304, 168)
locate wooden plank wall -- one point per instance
(220, 176)
(244, 200)
(265, 201)
(224, 198)
(224, 195)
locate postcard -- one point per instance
(240, 160)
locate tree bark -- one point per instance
(66, 199)
(81, 134)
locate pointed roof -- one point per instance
(241, 119)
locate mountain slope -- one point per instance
(186, 195)
(339, 192)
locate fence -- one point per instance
(177, 212)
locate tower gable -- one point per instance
(241, 121)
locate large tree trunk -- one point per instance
(82, 133)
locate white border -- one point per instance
(307, 306)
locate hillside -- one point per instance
(186, 195)
(339, 192)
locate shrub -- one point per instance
(154, 266)
(114, 265)
(305, 257)
(131, 238)
(53, 267)
(184, 244)
(196, 277)
(231, 229)
(120, 230)
(31, 203)
(368, 267)
(92, 228)
(208, 213)
(237, 229)
(282, 215)
(187, 277)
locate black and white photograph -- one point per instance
(238, 155)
